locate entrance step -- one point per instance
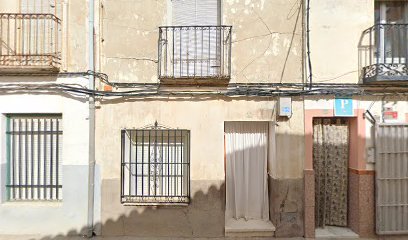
(248, 228)
(332, 232)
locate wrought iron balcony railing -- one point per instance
(200, 53)
(383, 53)
(29, 42)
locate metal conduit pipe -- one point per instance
(91, 156)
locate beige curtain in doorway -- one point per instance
(330, 163)
(246, 180)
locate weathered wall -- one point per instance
(266, 39)
(128, 39)
(205, 119)
(335, 32)
(266, 47)
(75, 36)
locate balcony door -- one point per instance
(41, 7)
(196, 38)
(391, 23)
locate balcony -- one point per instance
(194, 55)
(383, 53)
(29, 43)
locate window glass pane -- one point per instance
(395, 12)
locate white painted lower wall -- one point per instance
(50, 218)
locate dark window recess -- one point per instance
(155, 166)
(34, 145)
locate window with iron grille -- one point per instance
(155, 166)
(34, 146)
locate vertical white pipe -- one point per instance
(91, 173)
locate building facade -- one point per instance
(187, 52)
(44, 143)
(204, 118)
(366, 43)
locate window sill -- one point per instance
(32, 204)
(155, 205)
(186, 81)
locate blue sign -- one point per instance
(343, 107)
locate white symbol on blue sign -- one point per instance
(286, 110)
(343, 107)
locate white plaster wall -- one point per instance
(74, 117)
(50, 218)
(335, 32)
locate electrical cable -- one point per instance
(308, 43)
(235, 90)
(232, 90)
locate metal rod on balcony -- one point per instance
(136, 160)
(165, 55)
(202, 52)
(195, 51)
(209, 51)
(399, 45)
(221, 51)
(130, 161)
(174, 60)
(187, 54)
(180, 49)
(370, 48)
(406, 45)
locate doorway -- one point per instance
(330, 163)
(247, 200)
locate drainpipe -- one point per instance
(91, 152)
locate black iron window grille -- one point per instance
(155, 166)
(34, 146)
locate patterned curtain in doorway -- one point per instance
(330, 162)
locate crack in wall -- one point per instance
(136, 59)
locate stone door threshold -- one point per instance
(335, 232)
(248, 228)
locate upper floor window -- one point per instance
(384, 47)
(31, 37)
(196, 12)
(391, 12)
(53, 7)
(196, 45)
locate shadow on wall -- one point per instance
(203, 217)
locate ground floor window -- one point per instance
(34, 146)
(155, 166)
